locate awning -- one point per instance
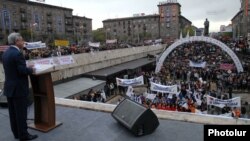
(70, 88)
(121, 67)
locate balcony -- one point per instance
(49, 29)
(49, 20)
(23, 18)
(16, 28)
(68, 16)
(23, 27)
(22, 10)
(49, 14)
(69, 30)
(77, 24)
(1, 35)
(68, 23)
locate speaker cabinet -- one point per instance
(135, 117)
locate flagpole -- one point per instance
(31, 33)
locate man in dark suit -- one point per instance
(16, 86)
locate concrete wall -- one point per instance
(88, 62)
(162, 114)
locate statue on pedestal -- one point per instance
(206, 28)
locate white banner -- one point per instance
(47, 61)
(164, 89)
(35, 45)
(150, 96)
(158, 41)
(148, 41)
(111, 41)
(130, 92)
(97, 44)
(234, 102)
(40, 68)
(64, 60)
(197, 65)
(130, 82)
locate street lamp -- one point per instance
(108, 29)
(31, 30)
(248, 40)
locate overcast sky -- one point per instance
(218, 12)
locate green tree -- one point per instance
(26, 34)
(98, 35)
(191, 30)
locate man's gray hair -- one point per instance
(13, 37)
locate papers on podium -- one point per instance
(43, 68)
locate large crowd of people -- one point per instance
(69, 50)
(195, 83)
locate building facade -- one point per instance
(166, 25)
(241, 21)
(82, 30)
(41, 22)
(132, 29)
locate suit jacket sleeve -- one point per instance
(21, 65)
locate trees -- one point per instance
(190, 29)
(26, 34)
(99, 35)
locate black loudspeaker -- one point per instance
(135, 117)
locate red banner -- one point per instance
(3, 48)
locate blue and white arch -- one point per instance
(218, 43)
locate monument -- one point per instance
(206, 28)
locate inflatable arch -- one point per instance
(204, 39)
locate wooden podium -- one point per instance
(44, 103)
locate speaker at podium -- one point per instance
(135, 117)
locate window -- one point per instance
(59, 24)
(5, 14)
(37, 22)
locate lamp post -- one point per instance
(31, 30)
(108, 29)
(248, 40)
